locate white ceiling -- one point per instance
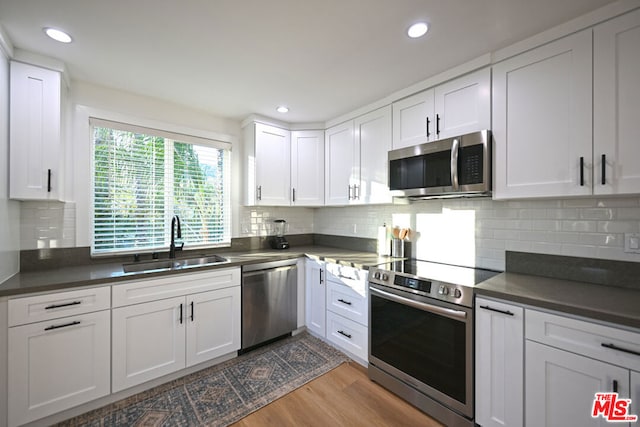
(231, 58)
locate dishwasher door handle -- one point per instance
(267, 271)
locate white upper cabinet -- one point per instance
(463, 105)
(616, 108)
(356, 160)
(36, 141)
(272, 165)
(341, 170)
(542, 120)
(454, 108)
(307, 168)
(373, 134)
(413, 120)
(283, 168)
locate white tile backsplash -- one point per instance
(47, 225)
(473, 232)
(589, 227)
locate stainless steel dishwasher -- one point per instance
(269, 301)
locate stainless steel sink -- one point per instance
(173, 264)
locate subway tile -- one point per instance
(626, 213)
(579, 203)
(618, 202)
(618, 226)
(585, 226)
(597, 213)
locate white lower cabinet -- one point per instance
(148, 342)
(565, 361)
(315, 306)
(499, 363)
(57, 364)
(561, 386)
(347, 310)
(164, 335)
(213, 324)
(568, 361)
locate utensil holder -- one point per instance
(397, 248)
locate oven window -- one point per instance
(426, 346)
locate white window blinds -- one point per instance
(142, 177)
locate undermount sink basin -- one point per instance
(173, 264)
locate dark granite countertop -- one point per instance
(110, 273)
(613, 304)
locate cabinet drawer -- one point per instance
(346, 302)
(60, 304)
(174, 285)
(348, 276)
(348, 335)
(585, 338)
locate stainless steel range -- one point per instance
(421, 335)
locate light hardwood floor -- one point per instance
(342, 397)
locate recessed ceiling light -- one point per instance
(418, 29)
(282, 109)
(58, 35)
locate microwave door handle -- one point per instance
(454, 164)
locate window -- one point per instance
(143, 177)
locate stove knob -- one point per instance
(457, 293)
(443, 290)
(385, 276)
(376, 275)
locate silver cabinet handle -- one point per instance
(293, 197)
(350, 192)
(259, 192)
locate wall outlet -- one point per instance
(632, 242)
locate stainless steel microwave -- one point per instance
(452, 167)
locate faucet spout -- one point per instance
(175, 233)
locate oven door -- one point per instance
(425, 343)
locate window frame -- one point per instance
(170, 137)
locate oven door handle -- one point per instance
(447, 312)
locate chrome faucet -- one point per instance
(172, 247)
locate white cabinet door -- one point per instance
(373, 133)
(57, 364)
(35, 133)
(463, 105)
(542, 120)
(414, 120)
(148, 341)
(499, 364)
(616, 106)
(307, 168)
(316, 297)
(273, 165)
(560, 386)
(342, 170)
(213, 324)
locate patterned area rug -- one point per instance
(225, 393)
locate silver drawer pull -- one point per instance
(345, 334)
(624, 350)
(52, 306)
(77, 322)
